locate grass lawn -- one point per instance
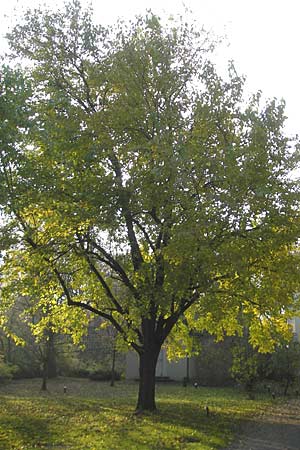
(94, 416)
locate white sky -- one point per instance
(264, 37)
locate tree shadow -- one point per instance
(26, 431)
(25, 427)
(266, 434)
(178, 424)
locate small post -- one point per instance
(65, 389)
(187, 369)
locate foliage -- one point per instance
(248, 366)
(92, 416)
(76, 366)
(70, 365)
(6, 371)
(285, 365)
(55, 350)
(103, 375)
(145, 189)
(214, 362)
(37, 354)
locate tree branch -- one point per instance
(100, 278)
(136, 255)
(146, 235)
(115, 265)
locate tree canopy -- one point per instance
(140, 186)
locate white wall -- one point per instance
(295, 324)
(297, 327)
(174, 370)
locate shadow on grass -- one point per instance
(90, 425)
(24, 425)
(102, 421)
(189, 424)
(279, 430)
(24, 431)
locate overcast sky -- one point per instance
(264, 37)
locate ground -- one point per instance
(276, 429)
(94, 416)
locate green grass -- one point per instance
(94, 416)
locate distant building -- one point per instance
(295, 324)
(177, 371)
(210, 368)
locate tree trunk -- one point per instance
(45, 375)
(146, 397)
(112, 380)
(51, 356)
(7, 358)
(287, 385)
(187, 369)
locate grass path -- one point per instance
(277, 429)
(94, 416)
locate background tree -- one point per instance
(285, 365)
(151, 194)
(213, 365)
(31, 341)
(248, 365)
(281, 366)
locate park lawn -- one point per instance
(95, 416)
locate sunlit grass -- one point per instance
(94, 416)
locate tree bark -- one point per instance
(45, 375)
(8, 358)
(51, 356)
(287, 385)
(112, 381)
(187, 369)
(146, 397)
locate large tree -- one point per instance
(146, 190)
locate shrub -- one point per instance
(285, 365)
(214, 362)
(69, 365)
(6, 371)
(103, 375)
(249, 367)
(27, 372)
